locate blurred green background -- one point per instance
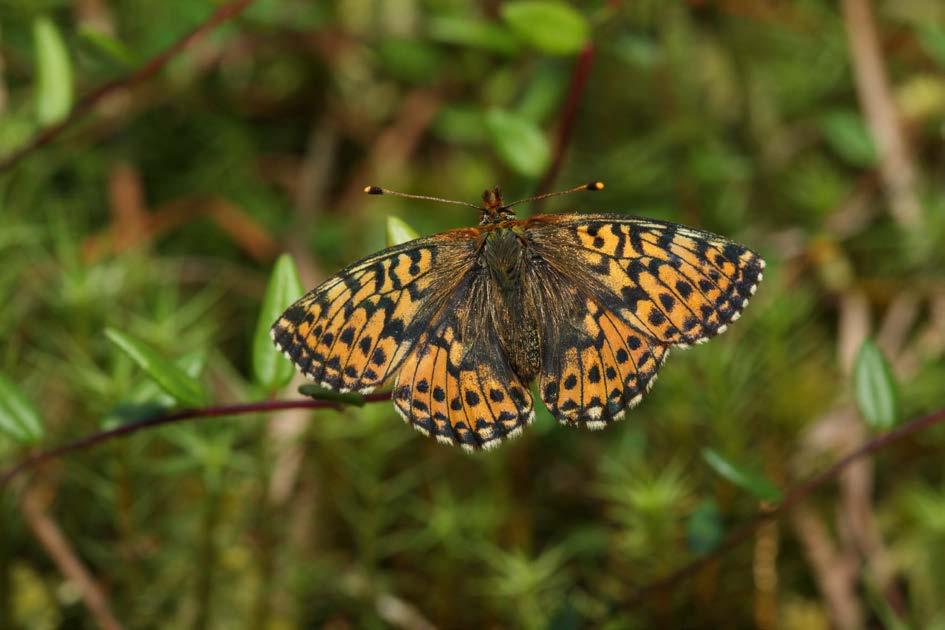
(160, 214)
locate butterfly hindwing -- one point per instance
(352, 331)
(462, 391)
(675, 284)
(597, 368)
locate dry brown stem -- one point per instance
(834, 571)
(54, 542)
(876, 98)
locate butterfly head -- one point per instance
(494, 209)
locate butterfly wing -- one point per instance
(675, 284)
(353, 331)
(456, 384)
(597, 368)
(645, 286)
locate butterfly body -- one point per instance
(503, 252)
(588, 305)
(504, 270)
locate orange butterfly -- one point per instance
(466, 319)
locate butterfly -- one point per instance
(463, 321)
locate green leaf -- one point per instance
(462, 31)
(399, 231)
(519, 142)
(637, 50)
(148, 399)
(543, 95)
(412, 60)
(53, 89)
(846, 134)
(108, 44)
(552, 27)
(172, 379)
(193, 363)
(932, 39)
(755, 483)
(875, 388)
(320, 393)
(270, 368)
(18, 417)
(704, 527)
(460, 124)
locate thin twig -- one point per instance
(746, 531)
(90, 100)
(185, 414)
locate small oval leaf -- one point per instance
(755, 483)
(519, 142)
(270, 368)
(53, 88)
(18, 417)
(108, 44)
(399, 231)
(875, 388)
(847, 134)
(551, 27)
(411, 60)
(170, 377)
(463, 31)
(704, 527)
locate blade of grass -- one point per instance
(18, 417)
(171, 378)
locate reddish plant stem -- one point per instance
(149, 69)
(747, 530)
(582, 70)
(178, 416)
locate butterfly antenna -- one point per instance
(592, 186)
(377, 190)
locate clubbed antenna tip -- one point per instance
(377, 190)
(592, 186)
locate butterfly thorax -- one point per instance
(504, 256)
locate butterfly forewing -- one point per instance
(676, 285)
(353, 331)
(645, 285)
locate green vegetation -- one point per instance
(141, 260)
